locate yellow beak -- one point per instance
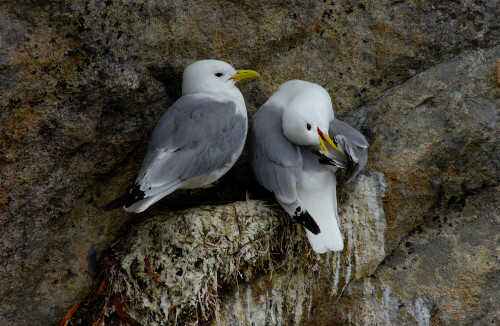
(244, 74)
(321, 145)
(323, 136)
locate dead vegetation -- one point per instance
(176, 269)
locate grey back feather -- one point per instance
(197, 135)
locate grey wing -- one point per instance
(277, 163)
(275, 160)
(353, 146)
(197, 135)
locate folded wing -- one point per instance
(353, 147)
(194, 140)
(277, 163)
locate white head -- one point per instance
(212, 76)
(308, 111)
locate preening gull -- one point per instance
(197, 140)
(294, 157)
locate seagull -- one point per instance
(197, 140)
(294, 157)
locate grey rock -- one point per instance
(82, 84)
(442, 261)
(441, 279)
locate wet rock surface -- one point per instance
(82, 84)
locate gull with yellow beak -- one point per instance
(294, 157)
(197, 140)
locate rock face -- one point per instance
(444, 264)
(82, 84)
(444, 273)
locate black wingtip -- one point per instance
(306, 220)
(323, 159)
(128, 199)
(115, 203)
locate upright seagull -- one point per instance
(285, 160)
(197, 140)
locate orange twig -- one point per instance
(123, 314)
(153, 273)
(99, 319)
(67, 316)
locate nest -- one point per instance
(176, 268)
(179, 268)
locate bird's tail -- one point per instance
(133, 195)
(141, 205)
(322, 206)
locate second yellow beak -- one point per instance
(244, 74)
(323, 136)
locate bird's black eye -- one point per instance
(219, 74)
(308, 126)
